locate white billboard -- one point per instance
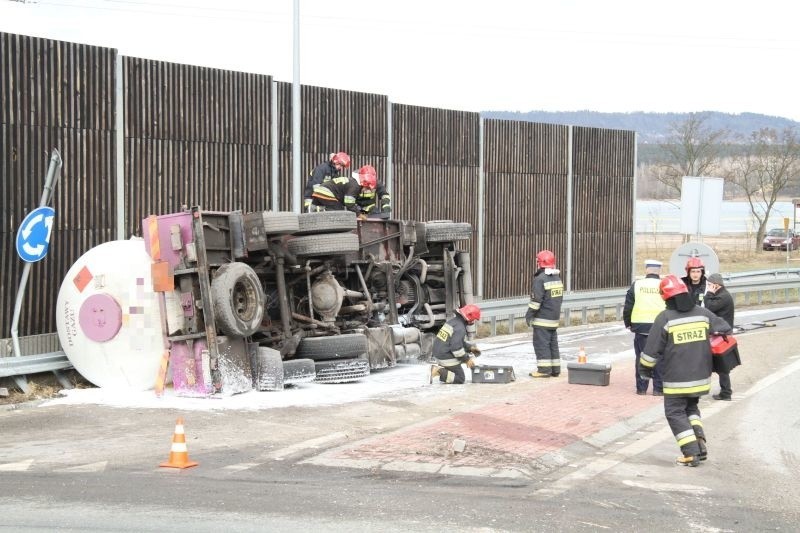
(701, 205)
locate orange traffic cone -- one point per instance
(581, 355)
(179, 454)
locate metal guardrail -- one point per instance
(599, 302)
(33, 364)
(492, 311)
(787, 272)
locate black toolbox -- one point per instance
(493, 374)
(589, 373)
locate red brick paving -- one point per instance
(518, 429)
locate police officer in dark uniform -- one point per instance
(544, 312)
(679, 344)
(322, 173)
(451, 349)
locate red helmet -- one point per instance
(671, 286)
(368, 177)
(546, 259)
(694, 262)
(341, 159)
(470, 312)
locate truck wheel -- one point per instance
(280, 222)
(325, 244)
(238, 300)
(447, 231)
(326, 222)
(298, 371)
(343, 346)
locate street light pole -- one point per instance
(297, 186)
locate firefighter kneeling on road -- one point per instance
(679, 343)
(451, 348)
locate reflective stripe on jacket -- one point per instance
(343, 190)
(450, 340)
(679, 343)
(647, 301)
(547, 294)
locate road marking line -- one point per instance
(90, 467)
(279, 455)
(16, 467)
(241, 466)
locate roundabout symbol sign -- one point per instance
(33, 237)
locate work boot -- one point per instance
(435, 372)
(703, 455)
(721, 397)
(658, 393)
(538, 374)
(688, 460)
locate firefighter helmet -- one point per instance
(671, 286)
(368, 177)
(470, 312)
(694, 262)
(340, 159)
(546, 259)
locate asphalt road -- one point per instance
(94, 468)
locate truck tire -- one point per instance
(280, 222)
(326, 222)
(344, 346)
(298, 371)
(341, 371)
(447, 231)
(238, 300)
(324, 244)
(268, 370)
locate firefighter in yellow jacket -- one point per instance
(679, 344)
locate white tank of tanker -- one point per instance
(108, 317)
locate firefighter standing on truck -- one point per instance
(451, 349)
(643, 302)
(373, 202)
(324, 172)
(679, 344)
(340, 193)
(544, 312)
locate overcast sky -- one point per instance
(559, 55)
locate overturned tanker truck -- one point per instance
(267, 298)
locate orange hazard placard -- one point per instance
(82, 279)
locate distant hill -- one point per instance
(652, 127)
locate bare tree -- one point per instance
(692, 149)
(764, 169)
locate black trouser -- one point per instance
(639, 342)
(452, 372)
(725, 389)
(683, 417)
(545, 346)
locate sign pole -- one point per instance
(53, 172)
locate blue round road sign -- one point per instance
(33, 236)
